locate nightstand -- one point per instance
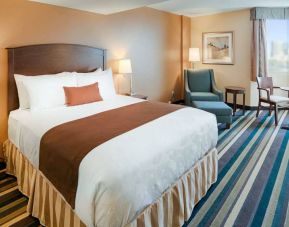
(138, 96)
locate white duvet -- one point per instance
(120, 178)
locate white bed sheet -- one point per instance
(119, 178)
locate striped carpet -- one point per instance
(252, 187)
(253, 180)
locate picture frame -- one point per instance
(218, 48)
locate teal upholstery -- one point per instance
(218, 108)
(222, 111)
(199, 81)
(204, 96)
(200, 85)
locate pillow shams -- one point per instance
(22, 91)
(104, 80)
(47, 92)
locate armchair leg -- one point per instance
(270, 109)
(228, 125)
(258, 109)
(276, 115)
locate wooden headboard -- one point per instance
(50, 59)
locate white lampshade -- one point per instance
(194, 55)
(124, 66)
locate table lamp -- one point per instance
(194, 56)
(124, 67)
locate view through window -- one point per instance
(278, 51)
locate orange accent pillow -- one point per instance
(81, 95)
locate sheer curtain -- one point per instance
(259, 59)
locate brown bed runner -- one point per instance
(63, 147)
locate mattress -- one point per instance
(121, 177)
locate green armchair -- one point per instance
(200, 85)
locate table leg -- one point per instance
(227, 95)
(244, 98)
(234, 103)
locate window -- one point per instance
(278, 51)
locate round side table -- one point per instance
(235, 91)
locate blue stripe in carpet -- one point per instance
(211, 213)
(226, 169)
(260, 213)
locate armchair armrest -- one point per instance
(187, 96)
(267, 92)
(187, 91)
(218, 92)
(215, 90)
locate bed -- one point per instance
(151, 175)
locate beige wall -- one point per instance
(239, 22)
(151, 38)
(186, 44)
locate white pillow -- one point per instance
(22, 91)
(47, 91)
(104, 79)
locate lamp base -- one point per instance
(193, 66)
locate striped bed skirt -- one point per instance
(173, 208)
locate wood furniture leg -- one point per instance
(228, 125)
(270, 109)
(258, 109)
(286, 126)
(235, 91)
(235, 103)
(244, 98)
(276, 115)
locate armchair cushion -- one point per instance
(203, 96)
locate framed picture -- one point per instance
(218, 48)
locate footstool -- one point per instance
(222, 111)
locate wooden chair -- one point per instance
(266, 84)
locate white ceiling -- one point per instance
(194, 8)
(101, 6)
(190, 8)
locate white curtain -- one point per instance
(259, 50)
